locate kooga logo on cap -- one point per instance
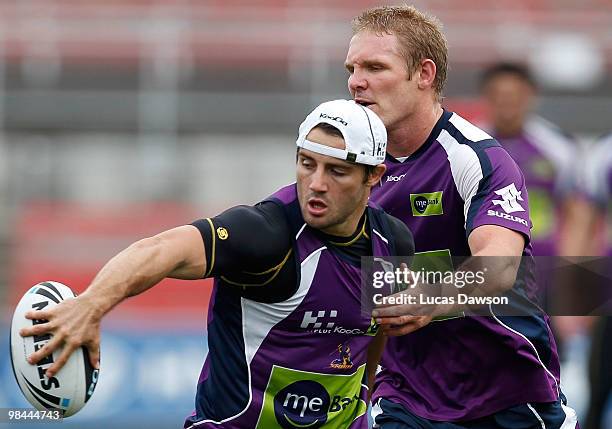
(334, 118)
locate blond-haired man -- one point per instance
(461, 194)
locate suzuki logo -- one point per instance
(511, 197)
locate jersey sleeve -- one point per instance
(404, 241)
(494, 191)
(245, 239)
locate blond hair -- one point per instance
(420, 36)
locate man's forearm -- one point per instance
(131, 272)
(498, 274)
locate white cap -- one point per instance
(364, 133)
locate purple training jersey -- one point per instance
(296, 362)
(468, 367)
(547, 158)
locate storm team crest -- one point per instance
(344, 361)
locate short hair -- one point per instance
(507, 68)
(420, 36)
(329, 129)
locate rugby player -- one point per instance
(546, 155)
(288, 340)
(594, 223)
(461, 194)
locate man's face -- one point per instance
(509, 100)
(379, 79)
(331, 192)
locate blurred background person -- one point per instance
(547, 156)
(549, 159)
(594, 221)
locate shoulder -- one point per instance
(265, 214)
(259, 229)
(285, 195)
(404, 241)
(473, 155)
(465, 131)
(465, 144)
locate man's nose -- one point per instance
(357, 82)
(318, 181)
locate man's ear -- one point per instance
(427, 74)
(376, 174)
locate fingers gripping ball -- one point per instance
(69, 389)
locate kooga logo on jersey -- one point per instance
(395, 178)
(314, 324)
(334, 118)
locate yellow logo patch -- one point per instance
(222, 233)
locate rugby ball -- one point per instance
(71, 388)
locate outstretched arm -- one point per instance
(177, 253)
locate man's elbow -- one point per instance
(507, 275)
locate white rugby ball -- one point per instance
(71, 388)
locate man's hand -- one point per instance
(401, 319)
(400, 325)
(176, 253)
(503, 245)
(73, 323)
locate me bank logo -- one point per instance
(427, 204)
(303, 404)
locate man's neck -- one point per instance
(408, 137)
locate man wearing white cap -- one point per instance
(288, 339)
